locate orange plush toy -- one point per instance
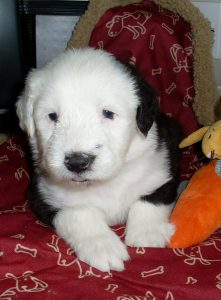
(197, 213)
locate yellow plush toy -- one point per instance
(197, 213)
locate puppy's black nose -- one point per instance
(78, 161)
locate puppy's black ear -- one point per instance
(148, 106)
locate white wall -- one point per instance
(52, 35)
(212, 10)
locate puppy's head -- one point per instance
(82, 111)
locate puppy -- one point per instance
(103, 155)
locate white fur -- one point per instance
(147, 225)
(86, 230)
(78, 85)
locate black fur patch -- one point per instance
(43, 211)
(169, 136)
(148, 107)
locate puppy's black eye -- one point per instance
(53, 117)
(108, 114)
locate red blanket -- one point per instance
(37, 264)
(159, 43)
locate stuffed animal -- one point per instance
(197, 213)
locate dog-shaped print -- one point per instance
(134, 22)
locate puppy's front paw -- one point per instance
(151, 235)
(105, 252)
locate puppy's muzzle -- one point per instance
(78, 161)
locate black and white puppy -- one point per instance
(103, 153)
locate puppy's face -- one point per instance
(81, 113)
